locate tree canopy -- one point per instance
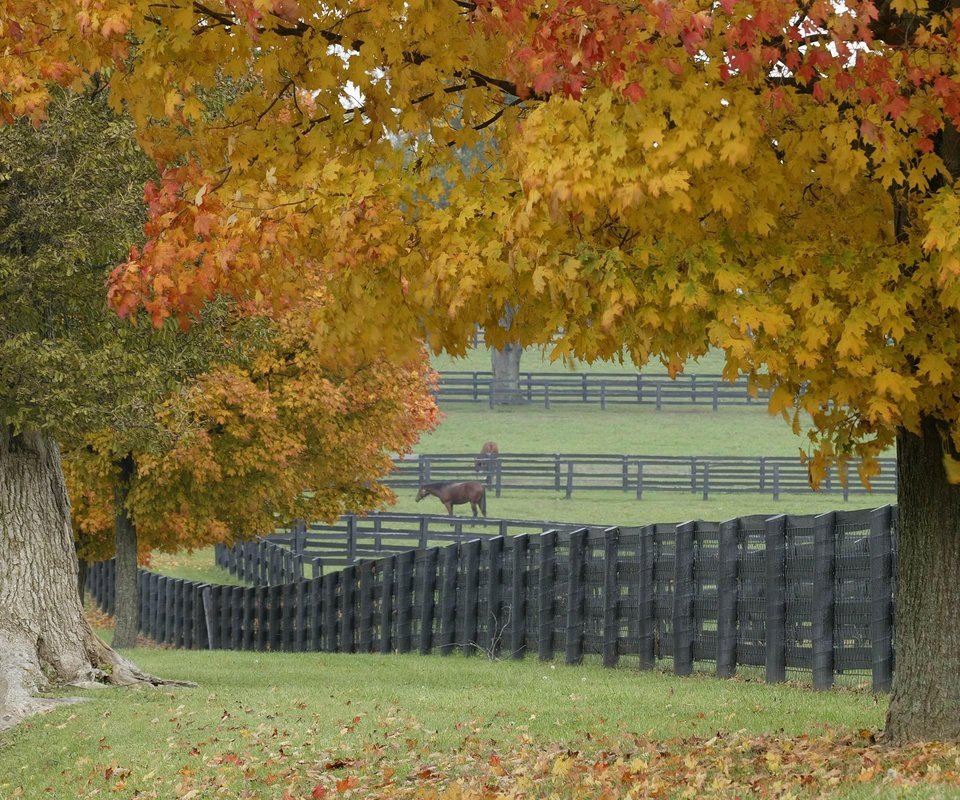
(775, 179)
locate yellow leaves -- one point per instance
(723, 200)
(894, 385)
(780, 400)
(936, 367)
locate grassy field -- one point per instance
(265, 724)
(538, 360)
(282, 725)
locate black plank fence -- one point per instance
(564, 473)
(603, 388)
(804, 597)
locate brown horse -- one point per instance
(455, 493)
(487, 458)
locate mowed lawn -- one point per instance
(260, 724)
(301, 726)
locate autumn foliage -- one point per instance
(777, 180)
(746, 129)
(248, 447)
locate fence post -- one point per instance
(348, 599)
(716, 396)
(659, 404)
(404, 599)
(187, 613)
(583, 384)
(881, 593)
(648, 610)
(639, 480)
(546, 594)
(248, 618)
(824, 599)
(556, 472)
(428, 584)
(448, 598)
(424, 533)
(330, 581)
(625, 473)
(763, 473)
(575, 597)
(471, 596)
(209, 593)
(603, 395)
(518, 596)
(569, 479)
(683, 628)
(546, 396)
(706, 481)
(365, 626)
(352, 539)
(611, 597)
(263, 616)
(386, 604)
(275, 595)
(776, 573)
(776, 481)
(495, 628)
(236, 640)
(727, 587)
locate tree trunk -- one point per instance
(505, 387)
(127, 599)
(926, 690)
(44, 636)
(82, 566)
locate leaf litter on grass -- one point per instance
(395, 757)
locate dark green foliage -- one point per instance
(71, 206)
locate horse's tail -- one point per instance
(483, 501)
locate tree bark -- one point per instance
(127, 599)
(44, 637)
(505, 387)
(925, 704)
(505, 363)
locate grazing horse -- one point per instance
(487, 458)
(452, 494)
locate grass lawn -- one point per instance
(318, 725)
(537, 360)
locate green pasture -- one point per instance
(639, 430)
(536, 359)
(255, 716)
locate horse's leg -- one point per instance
(473, 505)
(449, 506)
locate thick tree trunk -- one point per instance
(505, 387)
(505, 363)
(926, 692)
(44, 637)
(126, 601)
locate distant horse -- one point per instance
(453, 494)
(487, 458)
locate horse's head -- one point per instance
(422, 493)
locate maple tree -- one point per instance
(247, 447)
(774, 179)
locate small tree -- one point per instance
(245, 449)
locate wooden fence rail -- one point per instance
(568, 472)
(794, 595)
(603, 388)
